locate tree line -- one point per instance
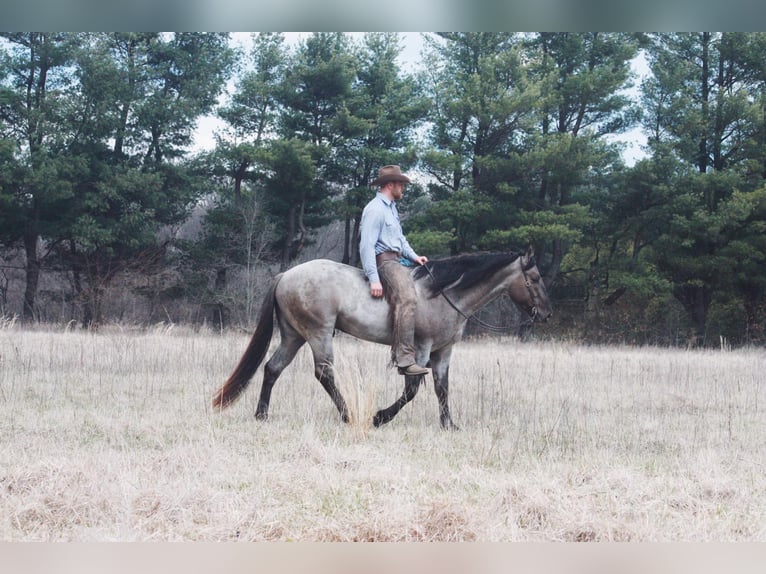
(512, 138)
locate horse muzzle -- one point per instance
(539, 317)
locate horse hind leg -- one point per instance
(325, 374)
(289, 345)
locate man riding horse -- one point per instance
(313, 300)
(386, 256)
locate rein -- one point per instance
(494, 328)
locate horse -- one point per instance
(313, 299)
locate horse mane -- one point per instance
(464, 271)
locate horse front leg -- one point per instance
(411, 386)
(324, 372)
(440, 368)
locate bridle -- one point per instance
(532, 312)
(497, 329)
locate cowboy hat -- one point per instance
(390, 173)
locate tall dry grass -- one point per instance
(111, 437)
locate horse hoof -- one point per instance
(261, 416)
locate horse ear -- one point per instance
(528, 256)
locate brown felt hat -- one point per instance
(390, 173)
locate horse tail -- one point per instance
(254, 354)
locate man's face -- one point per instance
(397, 189)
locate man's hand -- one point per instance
(422, 260)
(376, 289)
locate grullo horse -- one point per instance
(313, 299)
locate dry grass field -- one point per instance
(110, 437)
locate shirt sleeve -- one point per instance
(408, 251)
(369, 231)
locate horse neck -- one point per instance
(471, 300)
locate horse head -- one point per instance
(528, 289)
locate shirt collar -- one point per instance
(384, 199)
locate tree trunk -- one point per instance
(703, 151)
(755, 330)
(346, 240)
(351, 241)
(696, 300)
(93, 316)
(355, 241)
(557, 256)
(289, 239)
(32, 277)
(219, 312)
(76, 281)
(238, 177)
(300, 241)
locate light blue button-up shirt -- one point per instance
(380, 230)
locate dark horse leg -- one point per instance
(440, 369)
(411, 386)
(323, 371)
(289, 345)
